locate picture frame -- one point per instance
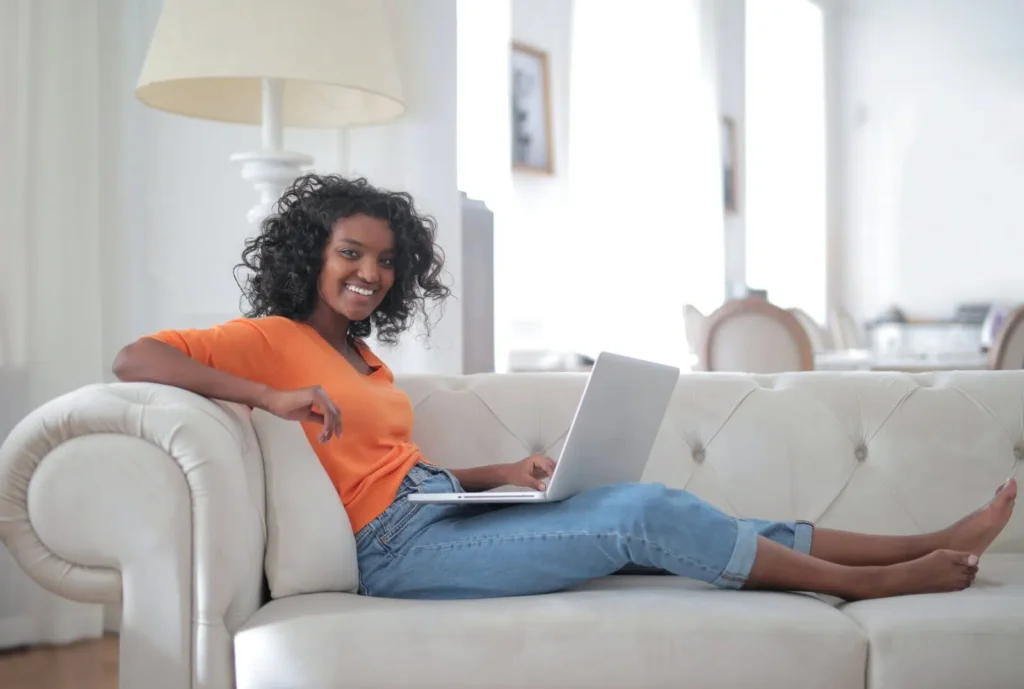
(730, 162)
(530, 138)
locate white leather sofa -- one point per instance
(218, 531)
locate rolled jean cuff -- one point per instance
(803, 533)
(735, 574)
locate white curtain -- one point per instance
(50, 281)
(647, 227)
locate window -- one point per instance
(785, 153)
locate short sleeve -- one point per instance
(243, 347)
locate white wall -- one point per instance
(540, 203)
(418, 154)
(730, 55)
(173, 205)
(931, 113)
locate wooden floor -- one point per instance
(83, 665)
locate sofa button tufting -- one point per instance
(861, 453)
(1018, 453)
(698, 454)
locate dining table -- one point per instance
(909, 362)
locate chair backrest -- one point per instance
(846, 334)
(820, 338)
(753, 335)
(1008, 350)
(693, 322)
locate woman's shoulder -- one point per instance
(270, 326)
(272, 332)
(277, 324)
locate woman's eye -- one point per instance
(389, 262)
(348, 253)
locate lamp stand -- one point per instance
(271, 169)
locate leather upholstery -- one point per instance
(310, 548)
(159, 493)
(152, 496)
(628, 632)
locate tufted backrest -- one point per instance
(885, 453)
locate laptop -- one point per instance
(610, 438)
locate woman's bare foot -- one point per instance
(938, 572)
(975, 532)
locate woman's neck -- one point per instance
(331, 326)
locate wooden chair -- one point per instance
(821, 340)
(846, 333)
(753, 335)
(1008, 350)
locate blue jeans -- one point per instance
(442, 551)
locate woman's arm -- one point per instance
(151, 361)
(529, 473)
(483, 478)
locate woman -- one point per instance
(339, 258)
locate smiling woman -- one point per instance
(331, 239)
(335, 260)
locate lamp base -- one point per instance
(270, 172)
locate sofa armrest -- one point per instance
(148, 495)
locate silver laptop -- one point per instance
(611, 435)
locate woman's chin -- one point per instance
(355, 314)
(354, 308)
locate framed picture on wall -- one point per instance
(530, 82)
(730, 192)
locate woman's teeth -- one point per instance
(360, 290)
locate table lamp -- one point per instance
(276, 63)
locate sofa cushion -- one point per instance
(310, 546)
(621, 631)
(973, 638)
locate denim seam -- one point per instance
(744, 551)
(392, 528)
(487, 540)
(803, 536)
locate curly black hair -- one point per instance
(284, 260)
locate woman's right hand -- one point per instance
(307, 404)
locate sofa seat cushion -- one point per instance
(972, 638)
(622, 631)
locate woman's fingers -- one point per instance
(331, 416)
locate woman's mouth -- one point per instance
(361, 291)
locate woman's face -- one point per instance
(358, 266)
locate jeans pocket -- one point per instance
(403, 519)
(439, 480)
(395, 519)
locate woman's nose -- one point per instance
(368, 271)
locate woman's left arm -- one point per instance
(528, 473)
(482, 478)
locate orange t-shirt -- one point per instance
(374, 453)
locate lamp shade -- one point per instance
(334, 58)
